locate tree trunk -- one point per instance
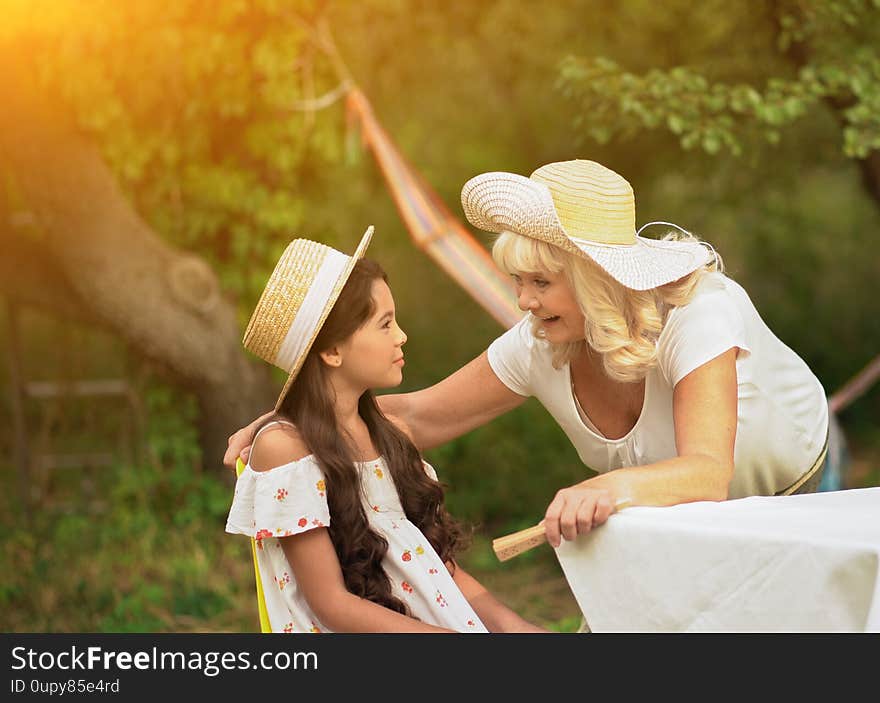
(97, 259)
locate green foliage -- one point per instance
(194, 109)
(146, 553)
(193, 104)
(834, 52)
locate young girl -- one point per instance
(351, 529)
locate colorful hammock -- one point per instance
(431, 225)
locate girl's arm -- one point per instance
(469, 398)
(704, 406)
(317, 572)
(496, 616)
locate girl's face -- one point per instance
(372, 357)
(549, 297)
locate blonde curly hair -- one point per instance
(621, 324)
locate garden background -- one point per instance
(157, 157)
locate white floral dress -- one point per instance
(291, 499)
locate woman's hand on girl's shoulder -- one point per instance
(276, 446)
(239, 443)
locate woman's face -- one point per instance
(549, 297)
(372, 357)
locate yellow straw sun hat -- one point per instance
(296, 301)
(586, 209)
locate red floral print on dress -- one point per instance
(441, 601)
(406, 556)
(302, 522)
(288, 628)
(262, 534)
(281, 494)
(406, 587)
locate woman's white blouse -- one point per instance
(782, 412)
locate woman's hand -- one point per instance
(575, 511)
(239, 443)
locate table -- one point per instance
(802, 563)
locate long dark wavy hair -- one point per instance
(309, 405)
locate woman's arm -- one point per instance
(317, 572)
(469, 398)
(496, 616)
(704, 406)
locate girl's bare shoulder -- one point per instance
(277, 445)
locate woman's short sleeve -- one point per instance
(510, 357)
(698, 332)
(281, 502)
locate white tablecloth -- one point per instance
(805, 563)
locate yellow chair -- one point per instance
(261, 599)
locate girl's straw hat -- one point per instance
(586, 209)
(296, 301)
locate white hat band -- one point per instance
(309, 314)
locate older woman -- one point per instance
(655, 364)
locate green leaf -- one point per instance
(675, 123)
(711, 143)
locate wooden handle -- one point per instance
(511, 545)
